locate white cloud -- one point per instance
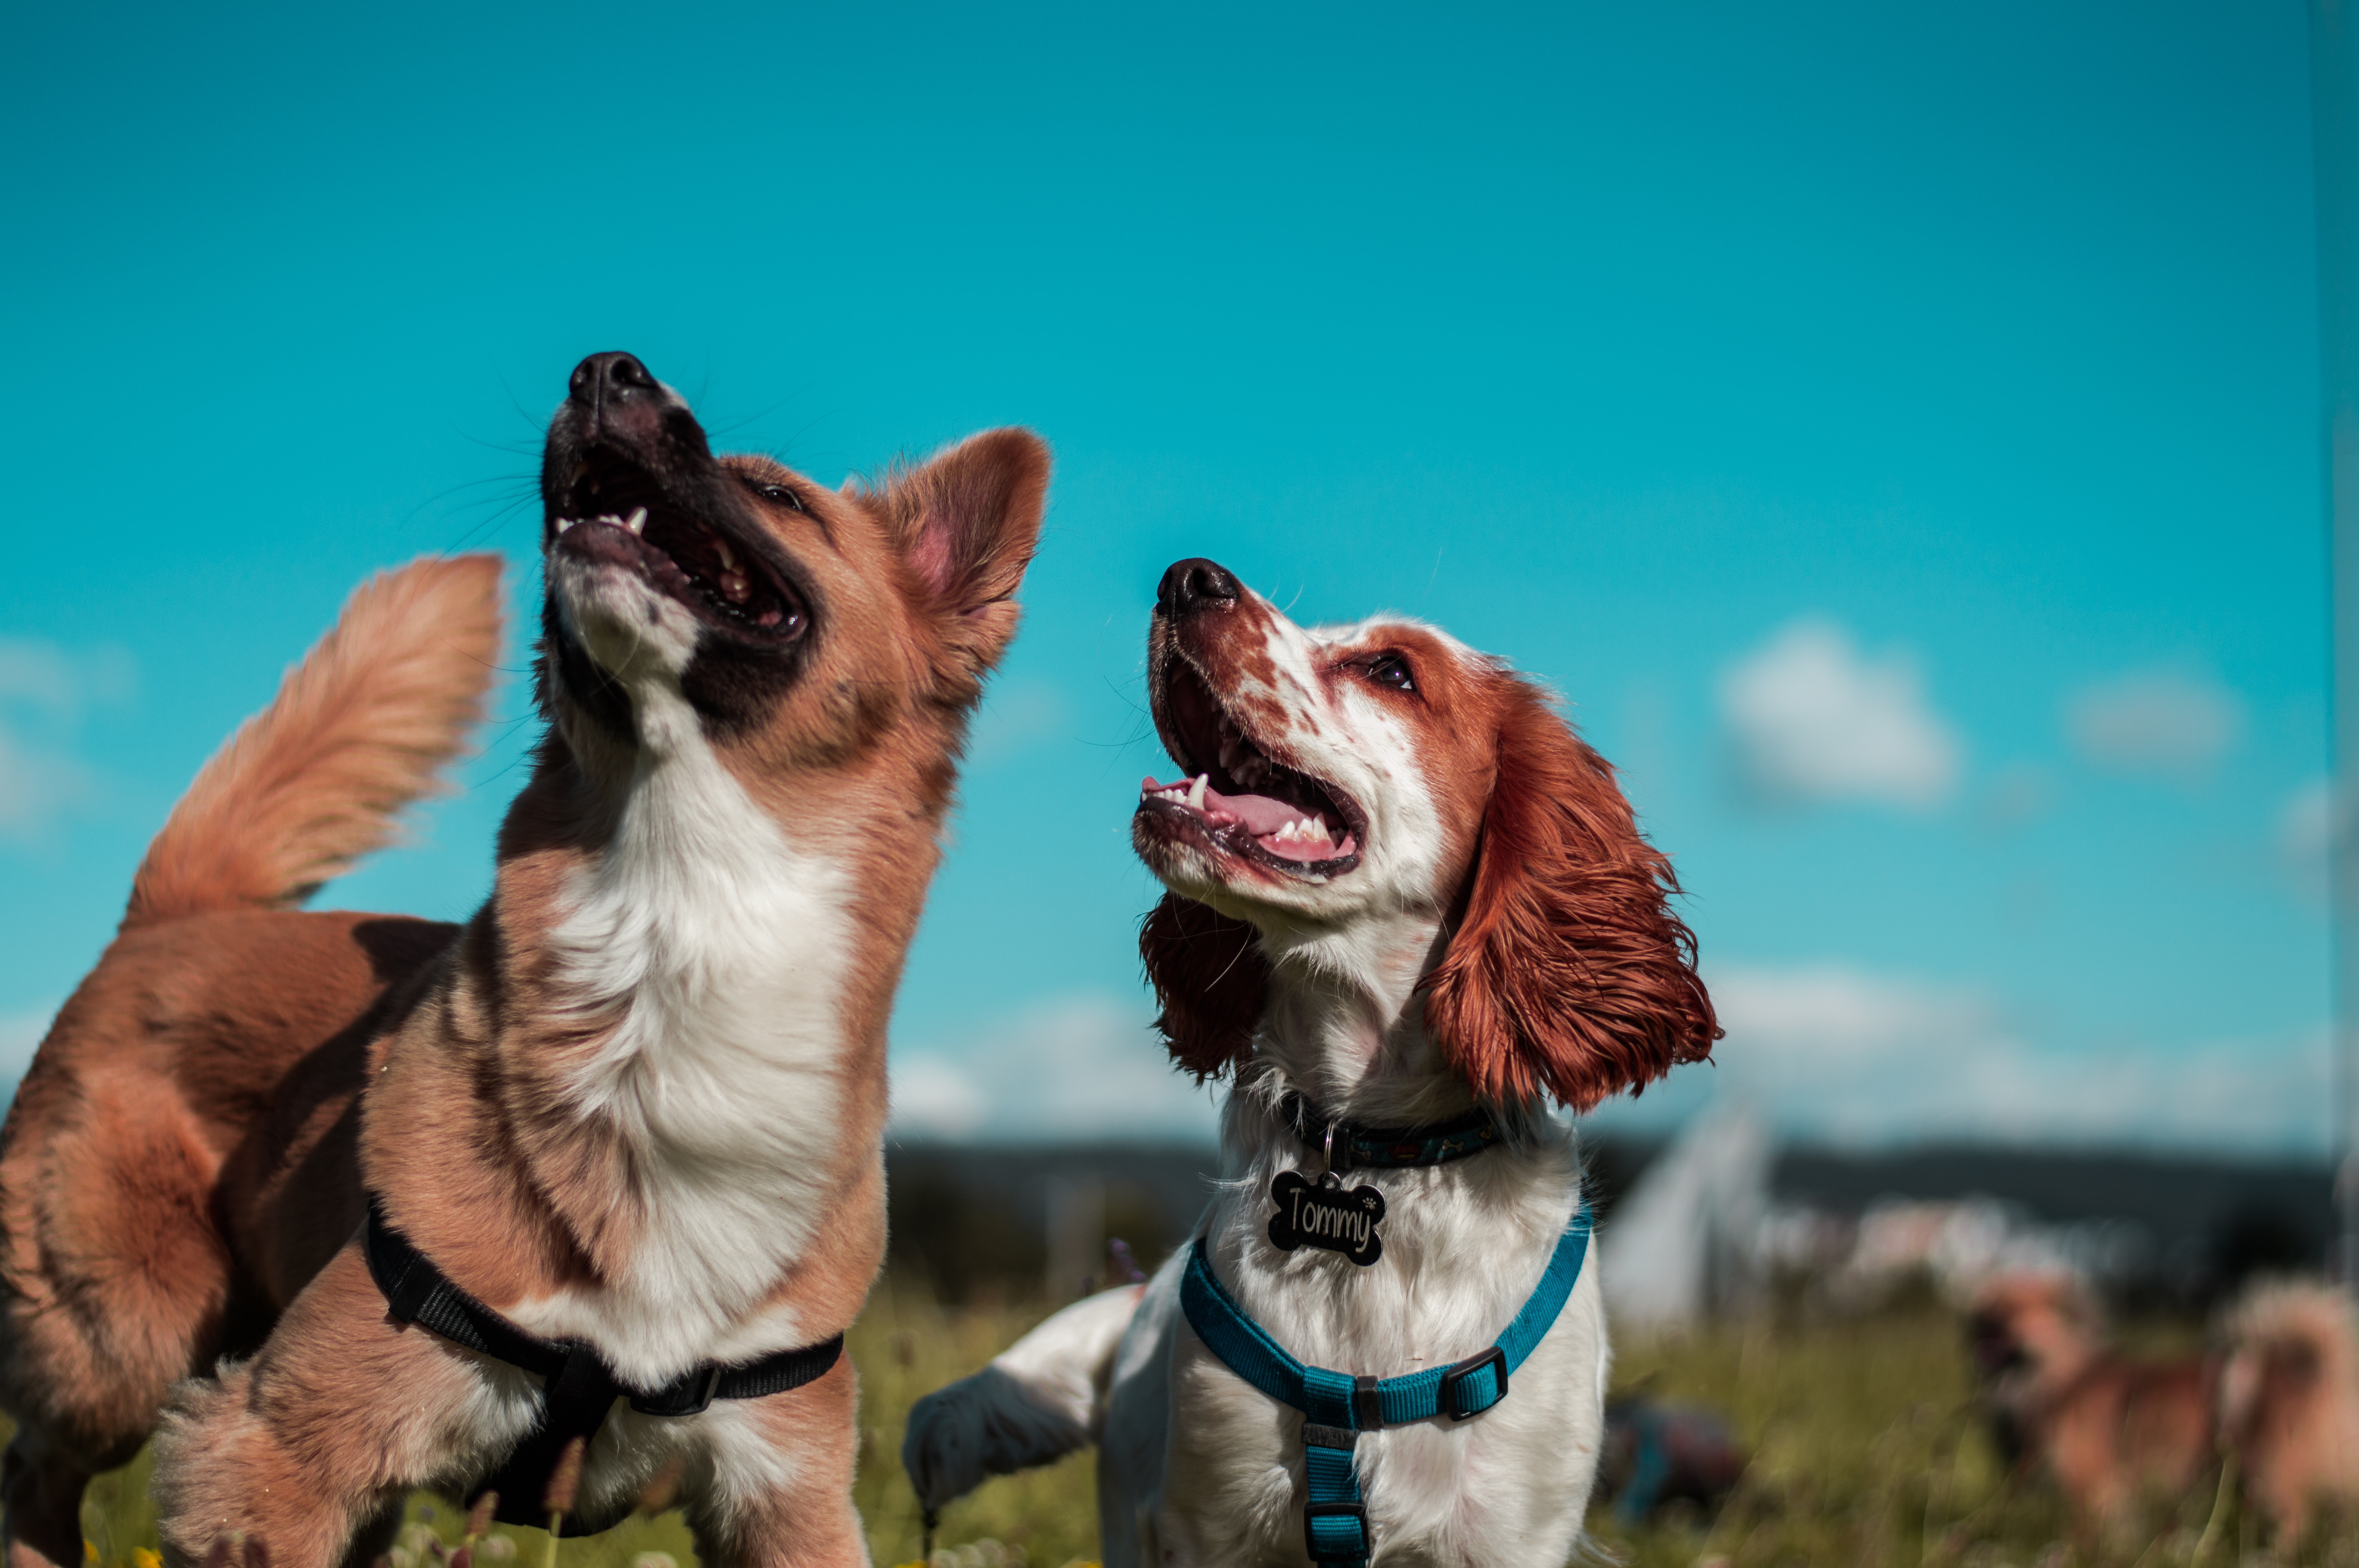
(36, 785)
(2305, 834)
(1825, 1018)
(1815, 718)
(20, 1032)
(1085, 1068)
(1841, 1054)
(36, 671)
(1014, 717)
(2154, 721)
(44, 690)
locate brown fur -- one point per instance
(2115, 1431)
(178, 1159)
(312, 784)
(2289, 1402)
(1211, 983)
(1567, 974)
(185, 1163)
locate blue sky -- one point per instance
(1894, 431)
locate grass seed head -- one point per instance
(564, 1480)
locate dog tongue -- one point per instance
(1258, 813)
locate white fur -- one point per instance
(1346, 734)
(723, 1451)
(1062, 1368)
(1195, 1466)
(1037, 1401)
(718, 950)
(1464, 1247)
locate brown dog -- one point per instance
(2115, 1431)
(2289, 1401)
(622, 1128)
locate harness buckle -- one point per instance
(1346, 1536)
(1368, 1404)
(1461, 1396)
(685, 1398)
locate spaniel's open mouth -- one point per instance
(612, 512)
(1241, 801)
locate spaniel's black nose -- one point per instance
(1193, 585)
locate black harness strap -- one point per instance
(580, 1387)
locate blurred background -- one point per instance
(1893, 429)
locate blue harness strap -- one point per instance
(1337, 1407)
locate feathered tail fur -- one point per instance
(359, 730)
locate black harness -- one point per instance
(580, 1388)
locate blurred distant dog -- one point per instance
(1660, 1455)
(2289, 1401)
(1403, 896)
(2114, 1431)
(602, 1167)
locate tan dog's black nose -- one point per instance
(1193, 585)
(612, 400)
(603, 379)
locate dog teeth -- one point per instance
(1196, 791)
(638, 521)
(728, 555)
(565, 522)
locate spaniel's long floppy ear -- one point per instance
(967, 521)
(1209, 979)
(1567, 974)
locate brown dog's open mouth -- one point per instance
(612, 512)
(1237, 799)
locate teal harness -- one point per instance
(1338, 1406)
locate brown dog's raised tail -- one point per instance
(358, 730)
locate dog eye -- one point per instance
(1392, 670)
(781, 494)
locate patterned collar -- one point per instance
(1356, 1148)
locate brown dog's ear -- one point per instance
(967, 521)
(1569, 975)
(1209, 979)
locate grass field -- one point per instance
(1865, 1456)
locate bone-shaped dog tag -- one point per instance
(1326, 1214)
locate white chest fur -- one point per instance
(1465, 1244)
(721, 948)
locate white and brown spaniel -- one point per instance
(1406, 899)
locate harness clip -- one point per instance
(695, 1399)
(1333, 1544)
(1459, 1400)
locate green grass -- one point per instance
(1865, 1456)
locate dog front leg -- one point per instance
(41, 1506)
(781, 1487)
(338, 1414)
